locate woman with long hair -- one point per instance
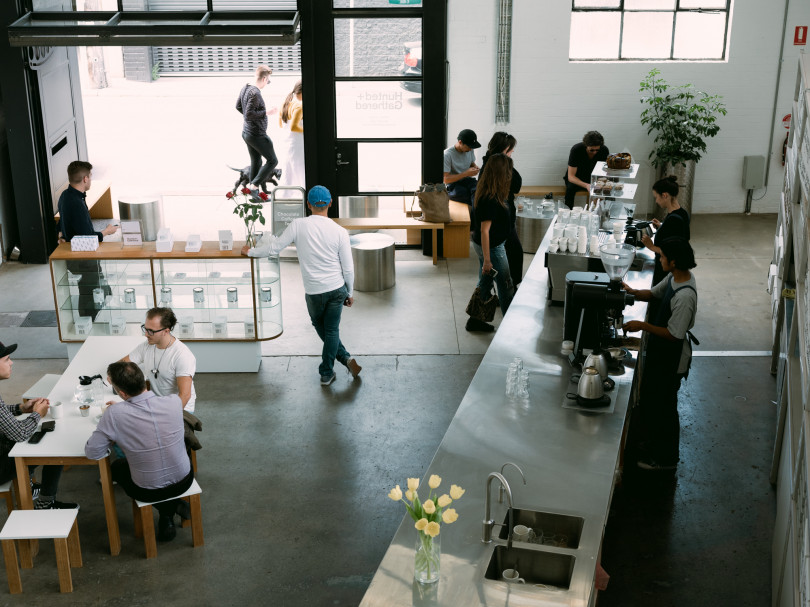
(492, 224)
(675, 224)
(504, 143)
(291, 121)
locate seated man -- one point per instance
(581, 161)
(18, 430)
(460, 168)
(167, 362)
(149, 430)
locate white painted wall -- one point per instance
(554, 102)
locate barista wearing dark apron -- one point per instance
(668, 354)
(675, 224)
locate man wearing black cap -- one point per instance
(13, 430)
(460, 169)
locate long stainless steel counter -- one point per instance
(569, 458)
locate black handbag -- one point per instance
(480, 308)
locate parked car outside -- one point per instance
(412, 66)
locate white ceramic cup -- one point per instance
(558, 230)
(56, 409)
(571, 231)
(521, 533)
(563, 244)
(511, 576)
(553, 247)
(572, 245)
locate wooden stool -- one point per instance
(5, 491)
(145, 522)
(59, 525)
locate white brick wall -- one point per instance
(554, 102)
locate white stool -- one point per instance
(5, 491)
(25, 525)
(145, 522)
(42, 388)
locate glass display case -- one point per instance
(216, 295)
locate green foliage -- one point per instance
(250, 210)
(156, 70)
(681, 117)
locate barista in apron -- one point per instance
(668, 354)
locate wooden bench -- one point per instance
(99, 201)
(456, 233)
(539, 191)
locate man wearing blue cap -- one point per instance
(325, 257)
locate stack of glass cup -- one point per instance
(517, 380)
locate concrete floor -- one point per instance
(295, 476)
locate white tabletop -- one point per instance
(73, 430)
(38, 524)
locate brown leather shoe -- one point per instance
(353, 367)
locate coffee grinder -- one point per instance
(594, 302)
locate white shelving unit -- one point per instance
(789, 285)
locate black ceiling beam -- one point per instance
(144, 28)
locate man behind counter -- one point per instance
(581, 161)
(74, 220)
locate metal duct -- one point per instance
(504, 62)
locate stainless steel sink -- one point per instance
(534, 566)
(550, 529)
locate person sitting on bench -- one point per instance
(460, 168)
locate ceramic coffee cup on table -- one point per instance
(56, 410)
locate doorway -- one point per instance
(375, 66)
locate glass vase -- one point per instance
(427, 558)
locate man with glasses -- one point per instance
(581, 161)
(165, 361)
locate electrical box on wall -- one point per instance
(753, 172)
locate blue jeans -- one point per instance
(463, 190)
(324, 311)
(497, 255)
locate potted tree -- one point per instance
(682, 118)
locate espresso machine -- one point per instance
(594, 302)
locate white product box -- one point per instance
(194, 243)
(186, 326)
(220, 326)
(84, 324)
(250, 328)
(165, 241)
(84, 243)
(118, 325)
(225, 240)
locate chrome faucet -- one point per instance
(500, 487)
(488, 523)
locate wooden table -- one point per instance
(393, 222)
(65, 445)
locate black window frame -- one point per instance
(675, 11)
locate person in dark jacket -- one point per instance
(74, 220)
(581, 161)
(504, 143)
(254, 130)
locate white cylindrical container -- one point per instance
(572, 245)
(166, 294)
(582, 245)
(563, 244)
(233, 295)
(266, 294)
(199, 295)
(129, 295)
(98, 297)
(570, 231)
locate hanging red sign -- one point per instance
(800, 36)
(786, 121)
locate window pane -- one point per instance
(594, 35)
(377, 110)
(377, 47)
(375, 161)
(699, 36)
(647, 35)
(703, 4)
(375, 3)
(596, 3)
(649, 4)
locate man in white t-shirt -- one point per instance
(165, 361)
(325, 257)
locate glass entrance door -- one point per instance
(375, 126)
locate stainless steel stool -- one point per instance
(373, 256)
